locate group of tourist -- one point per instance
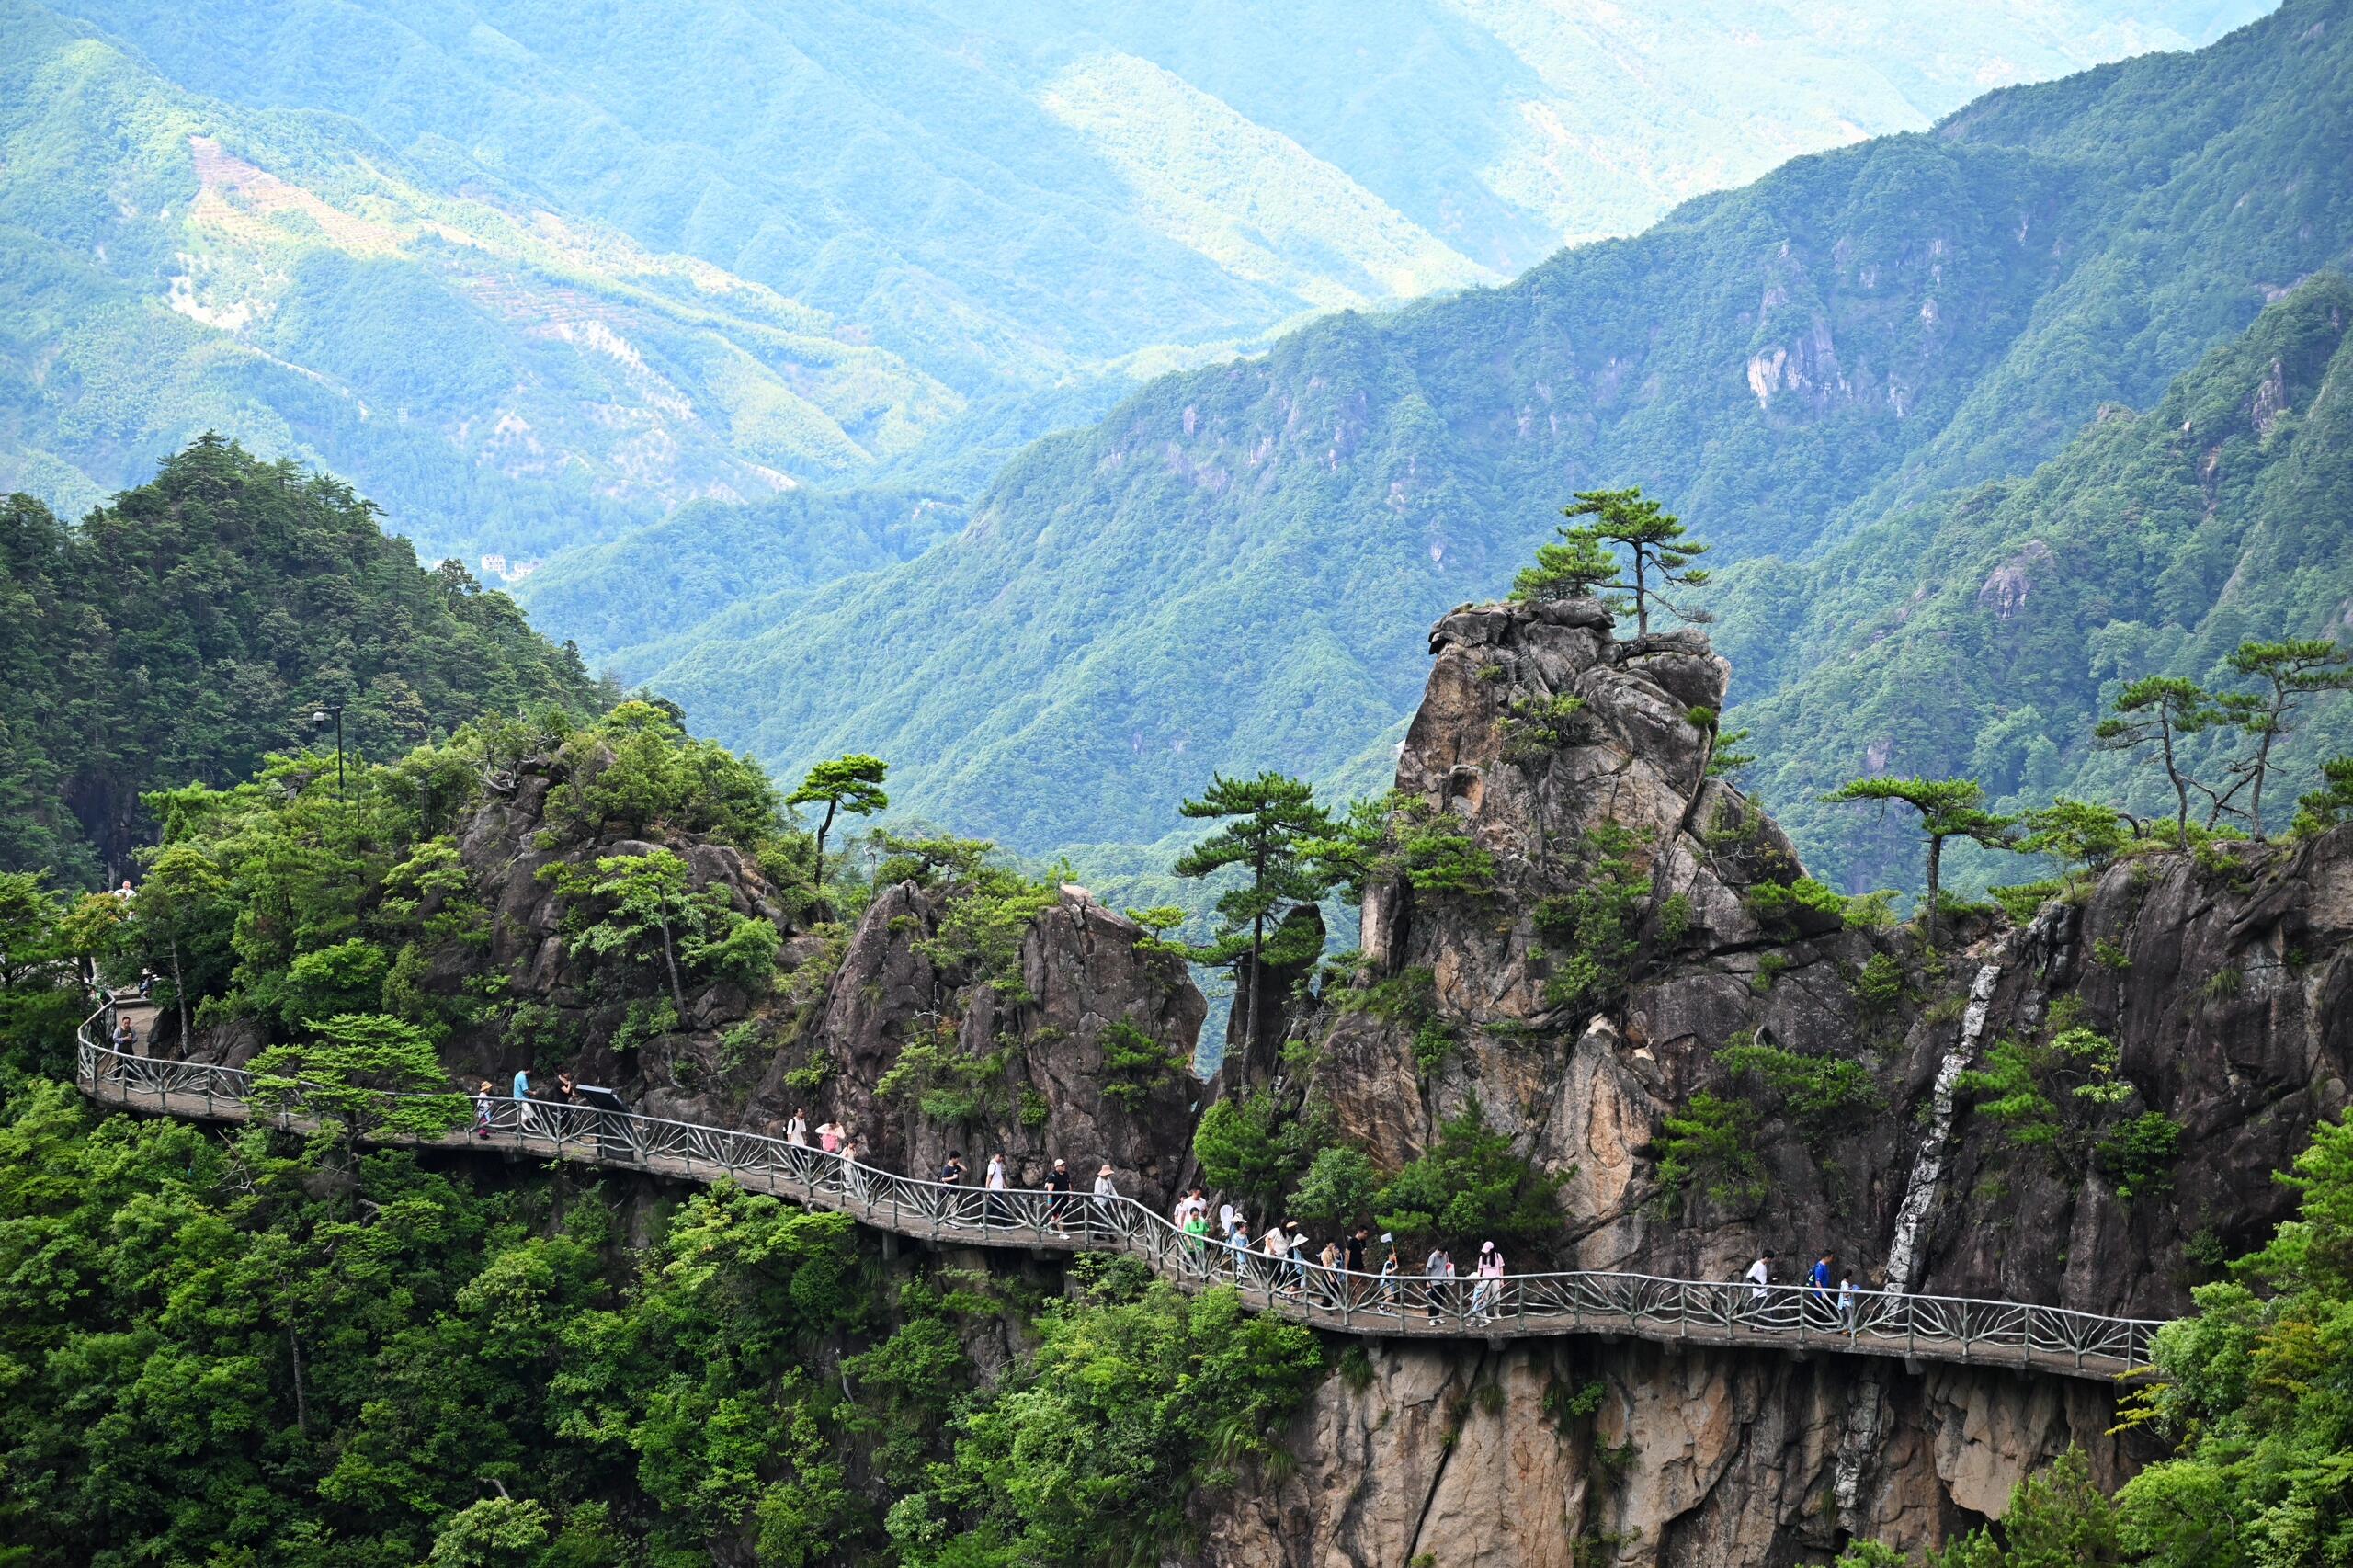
(1283, 1254)
(1830, 1293)
(1357, 1271)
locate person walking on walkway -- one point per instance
(1197, 1231)
(1276, 1244)
(1849, 1299)
(1436, 1269)
(853, 1166)
(796, 1131)
(126, 1039)
(1491, 1282)
(1352, 1259)
(482, 1110)
(829, 1137)
(524, 1121)
(1058, 1197)
(1760, 1282)
(1818, 1282)
(993, 1206)
(952, 1175)
(1389, 1270)
(1106, 1199)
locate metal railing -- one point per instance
(1789, 1317)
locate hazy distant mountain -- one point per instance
(528, 274)
(1230, 569)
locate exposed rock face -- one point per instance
(2226, 988)
(1478, 1457)
(1081, 978)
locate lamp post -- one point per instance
(333, 710)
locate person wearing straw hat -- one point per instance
(1105, 1191)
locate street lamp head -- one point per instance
(320, 716)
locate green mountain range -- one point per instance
(1227, 570)
(530, 277)
(1978, 634)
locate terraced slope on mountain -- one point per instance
(1214, 574)
(492, 372)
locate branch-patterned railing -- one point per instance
(1788, 1317)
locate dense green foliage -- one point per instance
(237, 1349)
(1139, 1397)
(1235, 564)
(191, 626)
(1985, 635)
(2253, 1391)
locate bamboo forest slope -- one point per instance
(1216, 575)
(1980, 633)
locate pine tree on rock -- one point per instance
(1271, 821)
(2289, 671)
(852, 784)
(1658, 551)
(1948, 808)
(2162, 711)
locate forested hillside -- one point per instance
(491, 263)
(1224, 571)
(1980, 634)
(194, 624)
(1003, 190)
(496, 374)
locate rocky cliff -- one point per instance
(964, 1007)
(1645, 943)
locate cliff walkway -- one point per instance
(1787, 1318)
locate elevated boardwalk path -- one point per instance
(1787, 1318)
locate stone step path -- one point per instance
(1785, 1318)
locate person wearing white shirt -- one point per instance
(1760, 1282)
(993, 1206)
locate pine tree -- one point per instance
(1948, 808)
(1271, 821)
(2289, 671)
(852, 784)
(2163, 710)
(1585, 560)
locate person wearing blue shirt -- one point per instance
(1820, 1278)
(523, 1097)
